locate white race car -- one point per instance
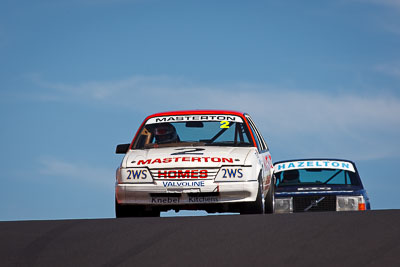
(209, 160)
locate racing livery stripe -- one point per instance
(314, 164)
(181, 118)
(183, 159)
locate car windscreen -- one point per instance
(194, 133)
(315, 176)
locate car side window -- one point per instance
(262, 140)
(259, 139)
(264, 145)
(256, 137)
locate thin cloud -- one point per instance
(120, 91)
(305, 124)
(389, 69)
(389, 20)
(365, 127)
(56, 168)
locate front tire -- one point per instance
(258, 206)
(270, 198)
(121, 211)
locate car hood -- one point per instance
(186, 157)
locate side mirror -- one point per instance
(122, 148)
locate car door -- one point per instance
(264, 155)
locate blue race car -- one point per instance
(318, 185)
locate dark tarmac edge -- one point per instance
(370, 238)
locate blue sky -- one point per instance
(320, 79)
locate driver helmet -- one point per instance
(165, 133)
(291, 176)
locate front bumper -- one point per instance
(182, 193)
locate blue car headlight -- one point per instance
(346, 203)
(284, 205)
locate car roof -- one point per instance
(196, 112)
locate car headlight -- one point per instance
(284, 205)
(346, 203)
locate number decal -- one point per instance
(224, 125)
(188, 151)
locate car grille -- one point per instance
(187, 173)
(314, 203)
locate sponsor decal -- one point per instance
(232, 173)
(268, 161)
(183, 183)
(183, 174)
(165, 200)
(229, 118)
(188, 151)
(183, 159)
(137, 174)
(315, 164)
(203, 199)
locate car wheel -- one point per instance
(270, 198)
(258, 206)
(121, 211)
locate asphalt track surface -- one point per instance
(369, 238)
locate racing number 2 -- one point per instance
(224, 125)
